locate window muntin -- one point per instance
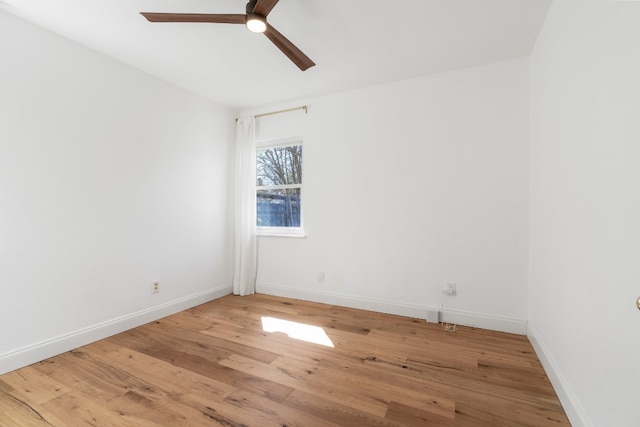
(279, 187)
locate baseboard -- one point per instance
(483, 321)
(493, 323)
(576, 414)
(34, 353)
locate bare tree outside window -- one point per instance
(279, 183)
(279, 165)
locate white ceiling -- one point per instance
(354, 43)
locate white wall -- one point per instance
(585, 208)
(408, 186)
(109, 180)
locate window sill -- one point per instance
(297, 233)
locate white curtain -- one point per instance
(245, 241)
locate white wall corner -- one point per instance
(572, 407)
(493, 323)
(43, 350)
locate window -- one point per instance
(279, 187)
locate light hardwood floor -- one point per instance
(214, 365)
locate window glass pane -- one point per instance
(278, 208)
(279, 165)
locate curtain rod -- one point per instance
(303, 107)
(288, 110)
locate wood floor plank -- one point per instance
(336, 412)
(273, 342)
(206, 345)
(301, 380)
(76, 409)
(37, 386)
(214, 365)
(460, 384)
(414, 348)
(368, 386)
(238, 379)
(82, 372)
(274, 414)
(140, 410)
(165, 378)
(412, 416)
(17, 410)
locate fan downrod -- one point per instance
(250, 6)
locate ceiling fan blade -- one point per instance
(263, 7)
(229, 18)
(296, 55)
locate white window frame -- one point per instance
(282, 231)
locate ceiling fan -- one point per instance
(255, 19)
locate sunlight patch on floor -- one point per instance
(298, 331)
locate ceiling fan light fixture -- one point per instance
(256, 23)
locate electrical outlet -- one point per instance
(155, 287)
(321, 276)
(450, 290)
